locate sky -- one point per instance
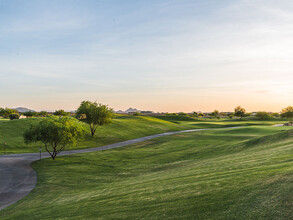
(165, 56)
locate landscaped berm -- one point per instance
(234, 173)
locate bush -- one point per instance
(262, 115)
(14, 116)
(182, 114)
(29, 114)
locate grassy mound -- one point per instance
(123, 128)
(243, 173)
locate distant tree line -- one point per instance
(60, 128)
(14, 114)
(241, 113)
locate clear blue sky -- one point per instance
(176, 55)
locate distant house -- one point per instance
(22, 116)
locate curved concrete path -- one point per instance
(17, 178)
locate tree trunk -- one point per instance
(54, 153)
(93, 129)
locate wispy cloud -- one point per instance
(148, 50)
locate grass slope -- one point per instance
(123, 128)
(243, 173)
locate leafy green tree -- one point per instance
(14, 116)
(200, 114)
(239, 112)
(61, 113)
(29, 114)
(42, 114)
(136, 114)
(223, 114)
(194, 114)
(55, 133)
(275, 114)
(5, 112)
(95, 114)
(216, 114)
(288, 113)
(230, 115)
(262, 115)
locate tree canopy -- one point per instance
(216, 114)
(262, 115)
(239, 112)
(5, 112)
(29, 114)
(95, 114)
(55, 133)
(60, 113)
(287, 113)
(42, 114)
(14, 116)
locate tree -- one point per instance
(201, 114)
(230, 115)
(194, 114)
(262, 115)
(61, 113)
(55, 133)
(42, 114)
(216, 114)
(29, 114)
(14, 116)
(288, 113)
(5, 112)
(223, 114)
(95, 114)
(275, 114)
(239, 112)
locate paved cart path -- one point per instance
(17, 178)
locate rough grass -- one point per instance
(243, 173)
(123, 128)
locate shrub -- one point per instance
(262, 115)
(14, 116)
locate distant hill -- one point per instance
(119, 111)
(22, 109)
(132, 110)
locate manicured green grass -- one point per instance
(123, 128)
(243, 173)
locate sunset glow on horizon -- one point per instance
(164, 56)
